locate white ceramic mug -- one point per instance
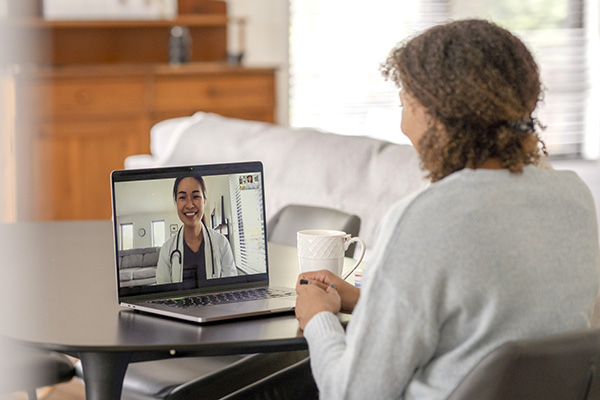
(324, 249)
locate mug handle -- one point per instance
(347, 242)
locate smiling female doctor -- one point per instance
(196, 253)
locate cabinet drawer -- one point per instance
(72, 97)
(210, 93)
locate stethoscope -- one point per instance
(177, 252)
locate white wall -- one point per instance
(144, 220)
(591, 149)
(267, 25)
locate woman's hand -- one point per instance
(313, 299)
(349, 294)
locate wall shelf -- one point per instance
(201, 20)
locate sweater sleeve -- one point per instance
(386, 342)
(383, 348)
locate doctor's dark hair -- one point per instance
(480, 86)
(196, 177)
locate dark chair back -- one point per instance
(282, 227)
(561, 367)
(292, 383)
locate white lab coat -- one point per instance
(172, 272)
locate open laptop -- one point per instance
(158, 272)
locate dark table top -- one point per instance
(60, 294)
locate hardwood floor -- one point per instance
(72, 390)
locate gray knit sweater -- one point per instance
(476, 259)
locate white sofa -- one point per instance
(359, 175)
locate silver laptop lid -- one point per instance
(150, 226)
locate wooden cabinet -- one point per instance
(73, 159)
(247, 93)
(88, 120)
(89, 97)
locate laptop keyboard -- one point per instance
(224, 297)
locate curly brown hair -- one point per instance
(480, 86)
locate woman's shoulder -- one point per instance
(562, 183)
(472, 187)
(468, 189)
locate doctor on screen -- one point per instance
(196, 253)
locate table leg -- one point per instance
(103, 374)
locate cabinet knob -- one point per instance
(213, 91)
(83, 97)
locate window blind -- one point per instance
(336, 48)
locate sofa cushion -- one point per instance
(138, 266)
(150, 259)
(142, 257)
(138, 282)
(137, 274)
(130, 274)
(131, 261)
(144, 273)
(126, 274)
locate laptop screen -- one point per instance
(188, 228)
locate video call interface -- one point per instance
(153, 252)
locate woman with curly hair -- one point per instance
(497, 248)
